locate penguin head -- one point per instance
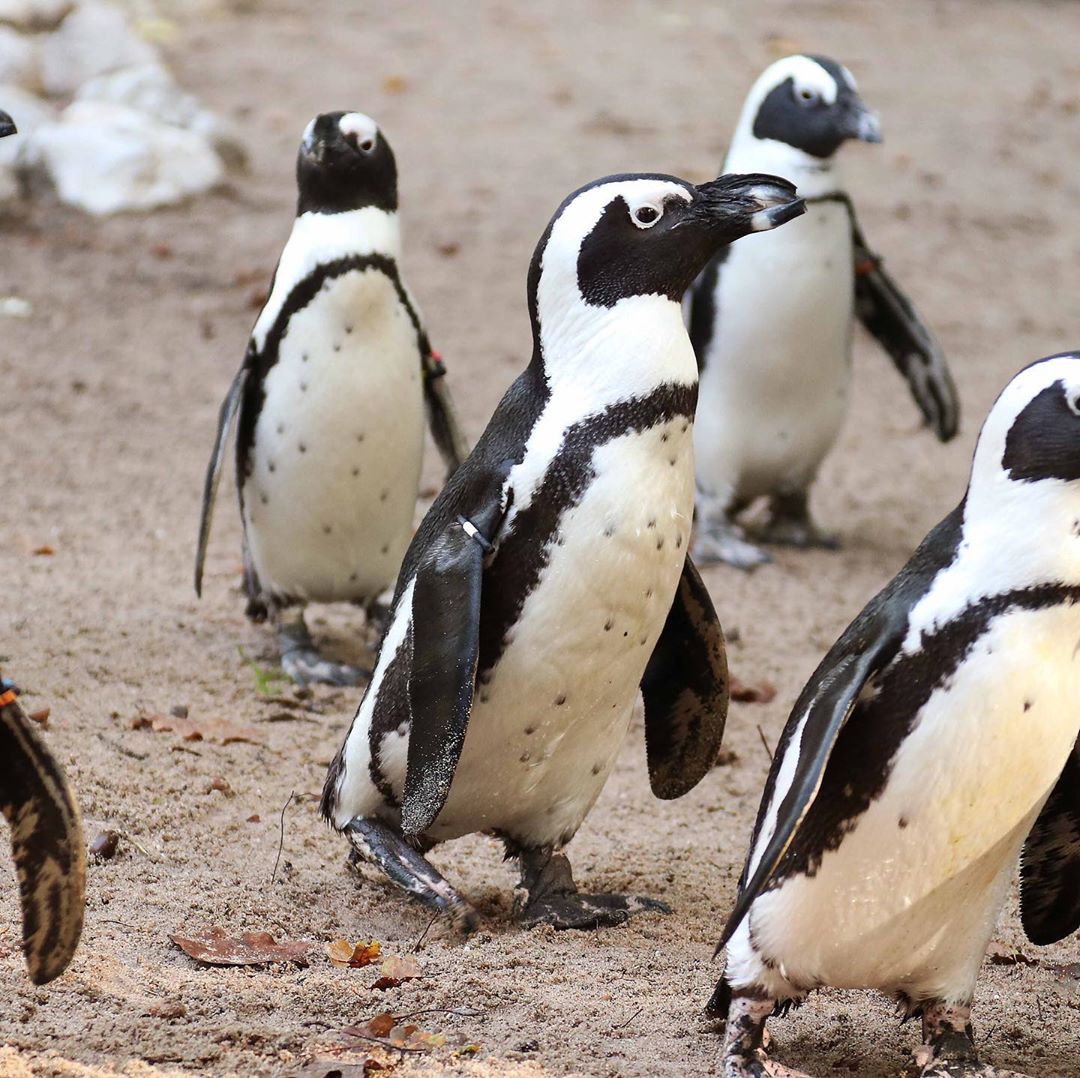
(646, 235)
(809, 103)
(7, 125)
(1032, 433)
(345, 163)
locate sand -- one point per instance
(111, 389)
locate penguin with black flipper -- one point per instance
(549, 586)
(774, 391)
(46, 832)
(936, 743)
(329, 402)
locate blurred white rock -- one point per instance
(93, 40)
(20, 61)
(34, 14)
(150, 89)
(29, 113)
(107, 158)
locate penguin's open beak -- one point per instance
(752, 202)
(7, 125)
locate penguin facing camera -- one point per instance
(329, 402)
(548, 587)
(775, 385)
(936, 743)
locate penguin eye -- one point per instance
(805, 96)
(646, 216)
(1073, 401)
(367, 145)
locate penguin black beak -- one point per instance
(753, 202)
(7, 125)
(862, 123)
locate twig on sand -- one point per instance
(765, 742)
(281, 839)
(623, 1025)
(427, 928)
(459, 1012)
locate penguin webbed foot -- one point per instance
(547, 895)
(726, 543)
(948, 1049)
(746, 1038)
(302, 661)
(379, 843)
(790, 524)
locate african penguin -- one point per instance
(549, 584)
(774, 390)
(330, 401)
(936, 741)
(46, 840)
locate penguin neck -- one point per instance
(596, 356)
(813, 176)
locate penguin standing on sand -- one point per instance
(936, 740)
(46, 832)
(774, 390)
(330, 401)
(549, 584)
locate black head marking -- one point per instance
(7, 125)
(800, 117)
(1044, 440)
(339, 170)
(659, 247)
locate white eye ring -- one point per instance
(367, 145)
(646, 216)
(1073, 402)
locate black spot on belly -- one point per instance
(596, 769)
(608, 625)
(360, 437)
(271, 466)
(902, 822)
(354, 577)
(660, 543)
(652, 523)
(356, 472)
(609, 531)
(281, 428)
(327, 529)
(348, 329)
(1027, 704)
(337, 347)
(304, 358)
(302, 448)
(560, 699)
(530, 730)
(664, 437)
(303, 387)
(384, 495)
(386, 548)
(525, 757)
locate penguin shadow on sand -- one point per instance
(329, 404)
(775, 384)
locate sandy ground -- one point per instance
(111, 388)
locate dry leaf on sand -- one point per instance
(396, 969)
(215, 947)
(361, 953)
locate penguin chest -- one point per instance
(550, 715)
(912, 892)
(329, 502)
(775, 384)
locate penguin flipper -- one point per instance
(890, 317)
(46, 843)
(685, 691)
(442, 416)
(1050, 864)
(229, 408)
(445, 649)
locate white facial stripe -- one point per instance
(358, 125)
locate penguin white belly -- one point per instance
(774, 389)
(911, 895)
(547, 727)
(328, 507)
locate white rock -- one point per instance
(152, 90)
(106, 158)
(93, 40)
(34, 14)
(29, 113)
(20, 62)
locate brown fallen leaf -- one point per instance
(224, 733)
(104, 845)
(761, 693)
(1001, 954)
(40, 717)
(356, 955)
(383, 1029)
(215, 947)
(254, 818)
(395, 970)
(43, 551)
